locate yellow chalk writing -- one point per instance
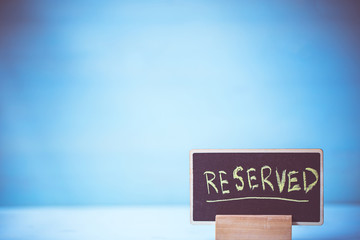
(222, 182)
(235, 176)
(264, 179)
(281, 183)
(246, 198)
(250, 178)
(296, 187)
(313, 171)
(210, 182)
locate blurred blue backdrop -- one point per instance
(101, 101)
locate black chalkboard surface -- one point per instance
(257, 182)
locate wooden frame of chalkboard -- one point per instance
(320, 214)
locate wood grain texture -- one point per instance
(253, 227)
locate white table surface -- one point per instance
(153, 222)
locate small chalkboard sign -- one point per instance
(257, 182)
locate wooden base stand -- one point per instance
(242, 227)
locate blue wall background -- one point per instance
(100, 102)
